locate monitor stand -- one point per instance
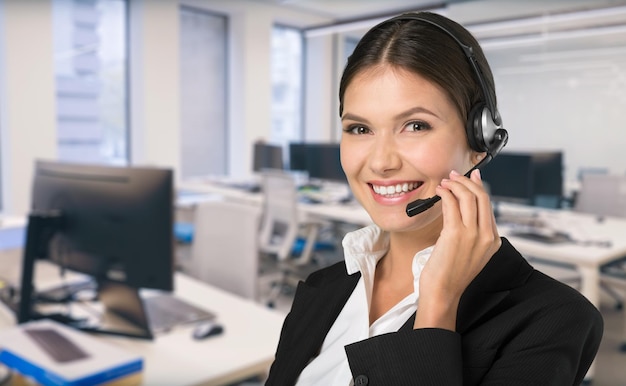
(42, 226)
(124, 311)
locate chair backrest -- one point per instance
(280, 223)
(602, 194)
(225, 246)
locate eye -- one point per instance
(417, 126)
(356, 129)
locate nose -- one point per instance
(384, 157)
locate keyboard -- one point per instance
(167, 311)
(556, 238)
(58, 346)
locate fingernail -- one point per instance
(454, 173)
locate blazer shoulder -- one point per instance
(327, 274)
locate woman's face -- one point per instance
(401, 136)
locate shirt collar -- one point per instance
(364, 247)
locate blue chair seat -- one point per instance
(298, 246)
(183, 232)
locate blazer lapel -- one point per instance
(314, 310)
(506, 269)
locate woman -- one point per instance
(435, 298)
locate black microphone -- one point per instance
(418, 206)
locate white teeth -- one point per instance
(393, 189)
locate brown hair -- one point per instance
(424, 49)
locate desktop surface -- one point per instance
(175, 357)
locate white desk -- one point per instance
(587, 259)
(352, 213)
(246, 348)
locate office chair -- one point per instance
(288, 243)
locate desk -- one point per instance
(352, 213)
(246, 348)
(586, 256)
(586, 259)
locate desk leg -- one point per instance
(590, 288)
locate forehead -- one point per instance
(396, 86)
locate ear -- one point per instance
(477, 157)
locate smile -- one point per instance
(395, 190)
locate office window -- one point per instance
(203, 60)
(287, 93)
(90, 53)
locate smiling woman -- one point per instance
(435, 298)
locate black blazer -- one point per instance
(515, 326)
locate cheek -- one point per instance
(438, 158)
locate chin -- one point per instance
(401, 222)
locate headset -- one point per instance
(484, 125)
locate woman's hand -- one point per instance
(468, 240)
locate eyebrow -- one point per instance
(402, 115)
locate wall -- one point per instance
(250, 91)
(27, 99)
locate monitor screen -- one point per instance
(509, 177)
(548, 171)
(321, 160)
(298, 156)
(116, 222)
(267, 156)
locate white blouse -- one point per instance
(363, 249)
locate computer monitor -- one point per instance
(509, 177)
(532, 178)
(548, 175)
(298, 156)
(322, 161)
(113, 223)
(267, 156)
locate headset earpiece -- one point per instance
(480, 128)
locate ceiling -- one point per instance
(506, 28)
(561, 37)
(464, 11)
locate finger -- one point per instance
(449, 206)
(486, 217)
(460, 186)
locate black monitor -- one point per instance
(322, 161)
(533, 178)
(298, 156)
(112, 223)
(267, 156)
(509, 177)
(548, 171)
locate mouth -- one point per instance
(395, 190)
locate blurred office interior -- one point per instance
(220, 91)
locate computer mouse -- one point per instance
(206, 330)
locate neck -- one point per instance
(404, 245)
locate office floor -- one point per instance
(610, 361)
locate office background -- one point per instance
(193, 84)
(559, 68)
